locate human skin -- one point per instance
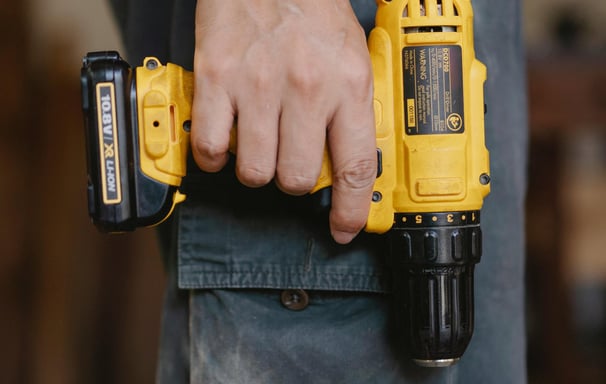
(297, 75)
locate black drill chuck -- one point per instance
(434, 255)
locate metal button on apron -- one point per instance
(295, 299)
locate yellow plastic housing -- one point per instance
(164, 99)
(425, 173)
(421, 173)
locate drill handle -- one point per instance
(164, 104)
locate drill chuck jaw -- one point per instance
(433, 257)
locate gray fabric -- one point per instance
(265, 241)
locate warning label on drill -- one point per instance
(108, 144)
(433, 90)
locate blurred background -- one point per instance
(79, 307)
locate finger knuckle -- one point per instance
(210, 68)
(305, 79)
(262, 81)
(358, 76)
(208, 149)
(254, 175)
(295, 184)
(358, 174)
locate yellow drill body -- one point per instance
(439, 167)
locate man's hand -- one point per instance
(297, 75)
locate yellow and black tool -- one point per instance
(429, 115)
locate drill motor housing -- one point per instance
(429, 119)
(435, 158)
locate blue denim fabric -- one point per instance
(265, 239)
(237, 250)
(247, 336)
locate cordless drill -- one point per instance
(433, 164)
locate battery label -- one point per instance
(108, 144)
(433, 90)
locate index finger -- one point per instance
(352, 144)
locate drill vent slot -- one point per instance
(417, 8)
(429, 8)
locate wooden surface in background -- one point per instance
(567, 97)
(566, 92)
(13, 170)
(77, 306)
